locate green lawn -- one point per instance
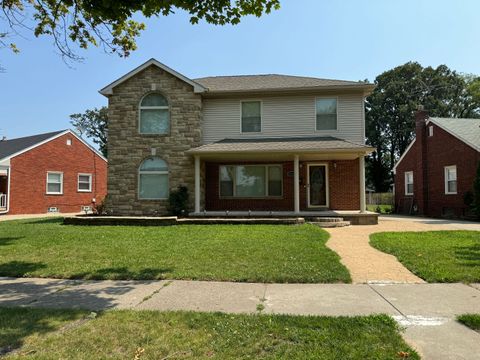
(436, 256)
(251, 253)
(470, 320)
(62, 334)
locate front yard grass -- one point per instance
(62, 334)
(470, 320)
(248, 253)
(435, 256)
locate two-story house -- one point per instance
(239, 143)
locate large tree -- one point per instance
(93, 124)
(109, 23)
(390, 110)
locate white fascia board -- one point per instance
(68, 131)
(403, 155)
(108, 90)
(431, 120)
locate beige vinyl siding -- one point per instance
(283, 116)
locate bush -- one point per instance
(101, 208)
(178, 201)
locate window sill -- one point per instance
(451, 193)
(84, 191)
(53, 194)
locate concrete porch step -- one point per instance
(330, 224)
(323, 219)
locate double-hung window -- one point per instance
(251, 181)
(84, 182)
(251, 116)
(54, 183)
(153, 179)
(326, 112)
(409, 183)
(450, 179)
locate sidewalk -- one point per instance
(427, 311)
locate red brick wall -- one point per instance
(344, 189)
(442, 149)
(29, 177)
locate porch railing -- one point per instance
(3, 201)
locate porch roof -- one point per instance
(314, 144)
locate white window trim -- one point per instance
(140, 108)
(406, 183)
(267, 196)
(61, 183)
(90, 177)
(315, 113)
(147, 172)
(261, 116)
(445, 179)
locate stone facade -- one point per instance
(127, 148)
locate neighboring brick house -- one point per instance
(255, 142)
(438, 167)
(52, 172)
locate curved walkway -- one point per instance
(369, 265)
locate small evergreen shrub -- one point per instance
(178, 201)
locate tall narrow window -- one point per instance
(451, 179)
(251, 116)
(154, 115)
(153, 179)
(54, 183)
(84, 182)
(409, 183)
(326, 110)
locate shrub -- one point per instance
(100, 208)
(178, 201)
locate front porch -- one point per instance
(4, 176)
(354, 217)
(302, 177)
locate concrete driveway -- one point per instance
(369, 265)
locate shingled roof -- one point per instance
(467, 130)
(13, 146)
(290, 144)
(241, 83)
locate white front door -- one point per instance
(317, 185)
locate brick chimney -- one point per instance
(420, 176)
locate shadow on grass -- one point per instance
(19, 268)
(18, 323)
(468, 255)
(123, 273)
(9, 240)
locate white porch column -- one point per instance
(296, 184)
(197, 183)
(363, 206)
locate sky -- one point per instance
(337, 39)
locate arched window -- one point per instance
(153, 179)
(154, 115)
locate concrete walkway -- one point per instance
(368, 265)
(427, 311)
(5, 217)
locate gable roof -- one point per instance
(108, 90)
(275, 82)
(15, 147)
(466, 130)
(10, 147)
